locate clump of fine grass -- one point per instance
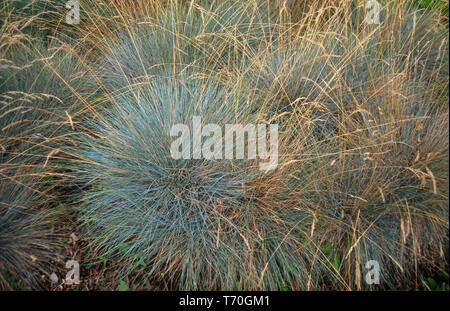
(37, 115)
(192, 220)
(370, 111)
(41, 92)
(172, 36)
(29, 230)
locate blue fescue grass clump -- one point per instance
(340, 59)
(170, 37)
(29, 231)
(194, 221)
(38, 106)
(42, 95)
(369, 109)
